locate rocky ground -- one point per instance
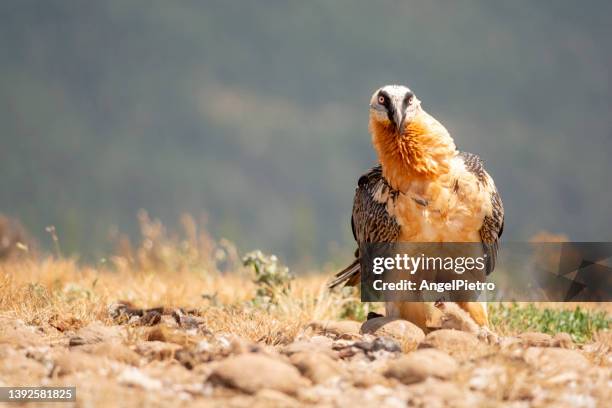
(170, 357)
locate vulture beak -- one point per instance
(400, 116)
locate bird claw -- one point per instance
(485, 334)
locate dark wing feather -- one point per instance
(493, 225)
(370, 221)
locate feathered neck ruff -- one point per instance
(423, 150)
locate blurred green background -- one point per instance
(255, 113)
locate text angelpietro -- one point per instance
(424, 285)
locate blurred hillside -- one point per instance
(256, 113)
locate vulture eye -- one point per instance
(381, 99)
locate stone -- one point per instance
(379, 343)
(64, 323)
(535, 339)
(168, 371)
(134, 377)
(369, 379)
(317, 367)
(150, 318)
(20, 335)
(273, 399)
(114, 351)
(156, 350)
(170, 335)
(459, 344)
(77, 362)
(250, 373)
(563, 340)
(95, 332)
(405, 332)
(342, 328)
(553, 359)
(262, 399)
(187, 321)
(17, 369)
(319, 344)
(435, 393)
(421, 364)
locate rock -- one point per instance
(95, 332)
(16, 368)
(421, 364)
(170, 335)
(169, 321)
(342, 328)
(348, 352)
(150, 318)
(262, 399)
(459, 344)
(136, 378)
(273, 399)
(156, 350)
(229, 344)
(253, 372)
(405, 332)
(436, 393)
(64, 323)
(600, 349)
(114, 351)
(368, 379)
(168, 371)
(379, 344)
(563, 340)
(317, 367)
(187, 321)
(76, 341)
(117, 309)
(191, 358)
(535, 339)
(489, 377)
(76, 362)
(319, 344)
(507, 343)
(552, 359)
(17, 334)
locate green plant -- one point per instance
(352, 306)
(272, 278)
(580, 323)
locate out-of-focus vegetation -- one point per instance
(272, 278)
(183, 267)
(580, 323)
(256, 113)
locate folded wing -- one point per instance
(493, 224)
(370, 220)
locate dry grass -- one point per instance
(41, 292)
(59, 291)
(185, 269)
